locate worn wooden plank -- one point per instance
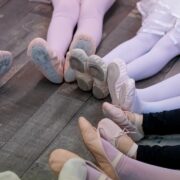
(36, 134)
(70, 139)
(124, 31)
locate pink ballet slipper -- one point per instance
(98, 70)
(93, 141)
(120, 117)
(117, 137)
(46, 60)
(5, 62)
(78, 61)
(117, 74)
(60, 33)
(70, 166)
(90, 25)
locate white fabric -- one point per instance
(146, 6)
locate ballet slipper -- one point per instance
(70, 166)
(93, 142)
(117, 137)
(8, 175)
(117, 75)
(125, 120)
(98, 70)
(85, 43)
(5, 62)
(78, 61)
(46, 60)
(57, 159)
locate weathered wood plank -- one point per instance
(36, 134)
(70, 139)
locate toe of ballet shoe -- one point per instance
(8, 175)
(74, 169)
(109, 130)
(58, 158)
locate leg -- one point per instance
(162, 123)
(66, 15)
(90, 25)
(166, 88)
(167, 156)
(151, 31)
(136, 46)
(159, 106)
(152, 62)
(87, 38)
(123, 167)
(49, 56)
(5, 62)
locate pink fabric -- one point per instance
(92, 173)
(64, 20)
(129, 169)
(91, 18)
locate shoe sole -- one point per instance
(41, 59)
(5, 65)
(79, 63)
(100, 88)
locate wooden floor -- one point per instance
(37, 116)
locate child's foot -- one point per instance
(69, 166)
(5, 62)
(132, 122)
(117, 75)
(46, 61)
(78, 62)
(122, 88)
(98, 71)
(85, 43)
(94, 143)
(118, 137)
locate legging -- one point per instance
(164, 123)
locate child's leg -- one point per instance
(159, 106)
(150, 33)
(130, 169)
(166, 89)
(49, 56)
(64, 19)
(167, 156)
(151, 63)
(5, 62)
(90, 25)
(162, 123)
(133, 48)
